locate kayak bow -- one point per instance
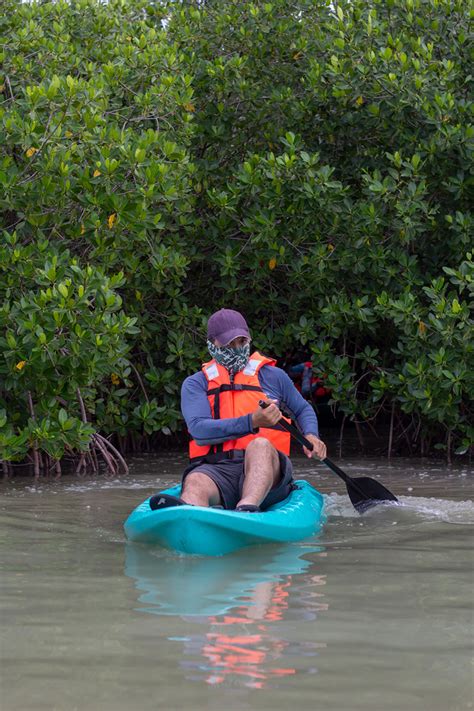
(208, 531)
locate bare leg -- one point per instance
(262, 471)
(200, 490)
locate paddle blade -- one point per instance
(365, 493)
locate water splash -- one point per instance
(427, 508)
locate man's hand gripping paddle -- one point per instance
(363, 491)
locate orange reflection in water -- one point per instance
(251, 656)
(243, 647)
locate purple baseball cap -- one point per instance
(225, 325)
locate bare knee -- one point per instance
(262, 448)
(198, 482)
(260, 452)
(200, 490)
(260, 444)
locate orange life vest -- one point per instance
(234, 397)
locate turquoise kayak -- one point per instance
(207, 531)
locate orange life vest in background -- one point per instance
(234, 397)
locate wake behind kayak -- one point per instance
(207, 531)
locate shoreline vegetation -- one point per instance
(308, 163)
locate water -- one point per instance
(375, 613)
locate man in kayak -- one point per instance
(238, 454)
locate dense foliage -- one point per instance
(309, 163)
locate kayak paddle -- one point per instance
(363, 491)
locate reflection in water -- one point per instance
(399, 588)
(246, 645)
(242, 600)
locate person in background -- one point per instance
(308, 383)
(239, 456)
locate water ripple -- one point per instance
(458, 512)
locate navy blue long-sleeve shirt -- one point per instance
(276, 385)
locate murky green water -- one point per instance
(376, 613)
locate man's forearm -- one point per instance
(206, 430)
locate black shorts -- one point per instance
(228, 475)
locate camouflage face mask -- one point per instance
(233, 359)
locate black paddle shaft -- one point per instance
(363, 492)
